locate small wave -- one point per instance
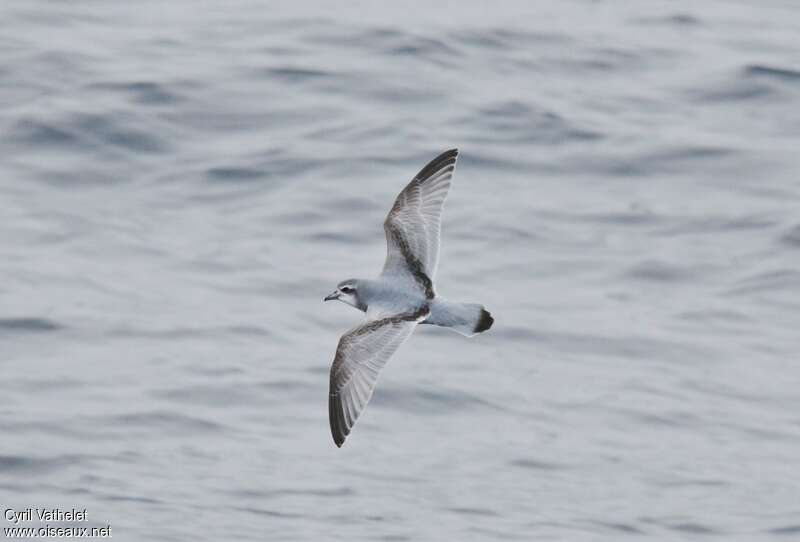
(714, 224)
(87, 132)
(753, 81)
(119, 130)
(355, 37)
(659, 271)
(630, 346)
(163, 421)
(418, 48)
(251, 494)
(296, 75)
(694, 528)
(428, 401)
(37, 133)
(16, 462)
(515, 121)
(35, 325)
(210, 395)
(677, 19)
(669, 160)
(408, 93)
(269, 513)
(688, 526)
(345, 238)
(188, 332)
(619, 527)
(131, 498)
(689, 153)
(472, 512)
(286, 385)
(234, 174)
(633, 217)
(670, 419)
(788, 530)
(501, 39)
(792, 236)
(695, 482)
(421, 48)
(483, 160)
(25, 464)
(346, 205)
(140, 92)
(714, 316)
(781, 280)
(535, 464)
(731, 91)
(779, 74)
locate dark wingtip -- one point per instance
(447, 158)
(485, 322)
(338, 428)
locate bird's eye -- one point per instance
(347, 289)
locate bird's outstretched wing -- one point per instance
(361, 354)
(414, 223)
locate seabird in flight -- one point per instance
(401, 297)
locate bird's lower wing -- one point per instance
(361, 354)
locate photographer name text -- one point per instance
(44, 514)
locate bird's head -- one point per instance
(347, 291)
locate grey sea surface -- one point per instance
(181, 183)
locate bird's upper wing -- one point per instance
(361, 354)
(413, 225)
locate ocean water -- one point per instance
(182, 182)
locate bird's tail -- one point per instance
(465, 318)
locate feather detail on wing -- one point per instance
(413, 225)
(361, 354)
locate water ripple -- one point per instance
(32, 324)
(180, 189)
(140, 92)
(769, 72)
